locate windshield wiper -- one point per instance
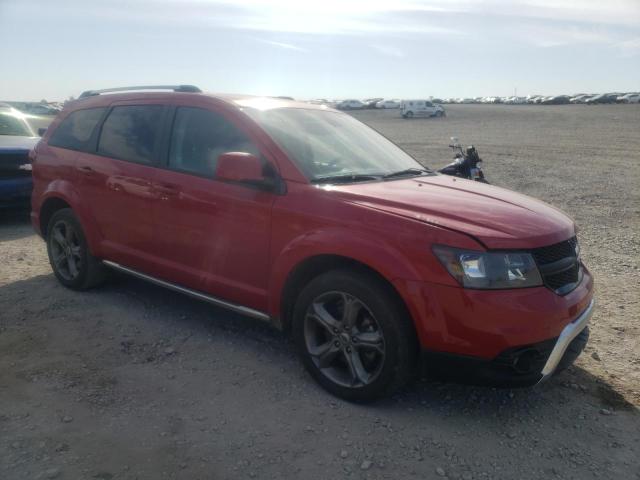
(407, 172)
(347, 178)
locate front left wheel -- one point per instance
(353, 336)
(73, 264)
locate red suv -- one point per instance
(304, 217)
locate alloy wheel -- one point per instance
(66, 250)
(344, 339)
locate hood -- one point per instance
(497, 217)
(17, 143)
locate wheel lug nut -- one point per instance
(335, 330)
(348, 349)
(336, 343)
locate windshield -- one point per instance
(331, 144)
(10, 124)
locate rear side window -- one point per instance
(200, 136)
(74, 132)
(130, 133)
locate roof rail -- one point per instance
(175, 88)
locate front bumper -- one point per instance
(521, 366)
(498, 337)
(484, 323)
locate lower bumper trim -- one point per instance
(567, 335)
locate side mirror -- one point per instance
(243, 167)
(42, 131)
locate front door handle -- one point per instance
(86, 170)
(166, 190)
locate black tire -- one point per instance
(73, 264)
(409, 114)
(379, 314)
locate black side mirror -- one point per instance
(42, 131)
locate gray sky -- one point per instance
(328, 48)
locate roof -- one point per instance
(237, 100)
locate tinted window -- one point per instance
(75, 130)
(200, 136)
(130, 132)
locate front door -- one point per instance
(213, 236)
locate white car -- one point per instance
(582, 98)
(388, 104)
(629, 98)
(350, 105)
(420, 108)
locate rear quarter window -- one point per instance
(74, 132)
(130, 133)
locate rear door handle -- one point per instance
(86, 170)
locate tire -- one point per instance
(73, 264)
(438, 114)
(409, 114)
(367, 355)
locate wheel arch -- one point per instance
(60, 195)
(311, 267)
(49, 207)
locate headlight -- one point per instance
(489, 270)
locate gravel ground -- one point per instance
(134, 382)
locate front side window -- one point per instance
(200, 136)
(130, 133)
(326, 144)
(74, 132)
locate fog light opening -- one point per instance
(526, 361)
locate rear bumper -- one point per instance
(515, 367)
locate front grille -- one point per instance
(559, 265)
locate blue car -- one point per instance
(16, 139)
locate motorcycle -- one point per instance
(467, 163)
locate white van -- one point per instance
(420, 108)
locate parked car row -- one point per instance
(353, 104)
(36, 108)
(588, 98)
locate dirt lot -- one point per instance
(134, 382)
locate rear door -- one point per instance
(116, 179)
(213, 236)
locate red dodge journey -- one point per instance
(304, 217)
